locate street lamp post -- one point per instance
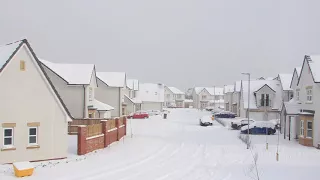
(248, 74)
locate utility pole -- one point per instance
(248, 74)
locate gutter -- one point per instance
(84, 102)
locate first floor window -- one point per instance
(33, 135)
(301, 128)
(204, 97)
(309, 94)
(309, 129)
(8, 136)
(298, 94)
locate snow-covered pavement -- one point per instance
(178, 148)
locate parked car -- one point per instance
(238, 123)
(205, 121)
(139, 115)
(153, 112)
(209, 108)
(225, 114)
(260, 127)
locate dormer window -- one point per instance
(265, 100)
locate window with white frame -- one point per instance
(309, 94)
(33, 136)
(179, 96)
(204, 97)
(298, 94)
(168, 96)
(7, 137)
(302, 128)
(309, 129)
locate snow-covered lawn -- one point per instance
(178, 148)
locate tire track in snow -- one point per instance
(161, 163)
(101, 171)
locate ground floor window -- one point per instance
(309, 129)
(302, 128)
(7, 137)
(33, 135)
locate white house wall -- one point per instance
(110, 96)
(26, 92)
(151, 106)
(72, 96)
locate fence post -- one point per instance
(105, 128)
(82, 140)
(125, 124)
(117, 126)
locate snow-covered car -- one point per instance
(276, 122)
(153, 112)
(238, 123)
(205, 121)
(260, 127)
(225, 114)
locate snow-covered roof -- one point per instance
(298, 69)
(133, 84)
(285, 80)
(292, 107)
(72, 73)
(256, 85)
(198, 89)
(134, 100)
(113, 79)
(228, 88)
(238, 86)
(100, 106)
(7, 50)
(269, 78)
(315, 67)
(215, 90)
(175, 90)
(151, 92)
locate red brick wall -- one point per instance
(306, 141)
(95, 143)
(86, 145)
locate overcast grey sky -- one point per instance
(182, 43)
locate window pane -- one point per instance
(309, 125)
(309, 133)
(32, 131)
(8, 132)
(32, 139)
(7, 141)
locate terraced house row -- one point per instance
(44, 100)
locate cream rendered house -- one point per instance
(151, 95)
(173, 97)
(76, 85)
(111, 89)
(204, 97)
(33, 119)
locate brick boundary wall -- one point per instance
(108, 136)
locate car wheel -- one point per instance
(250, 132)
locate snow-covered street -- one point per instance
(178, 148)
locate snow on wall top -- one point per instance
(175, 90)
(151, 92)
(72, 73)
(256, 85)
(285, 80)
(228, 88)
(113, 79)
(6, 51)
(188, 100)
(315, 67)
(133, 84)
(292, 107)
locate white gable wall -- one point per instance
(167, 99)
(110, 96)
(28, 93)
(72, 96)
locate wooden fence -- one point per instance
(73, 126)
(112, 123)
(94, 130)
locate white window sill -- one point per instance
(309, 102)
(309, 138)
